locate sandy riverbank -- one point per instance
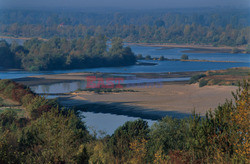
(176, 100)
(70, 77)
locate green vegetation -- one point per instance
(45, 133)
(199, 26)
(231, 71)
(1, 102)
(229, 76)
(203, 82)
(196, 78)
(60, 53)
(55, 135)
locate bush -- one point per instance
(124, 136)
(60, 137)
(196, 78)
(168, 134)
(7, 92)
(37, 106)
(7, 118)
(203, 82)
(4, 83)
(26, 99)
(19, 91)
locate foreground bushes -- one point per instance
(222, 136)
(33, 104)
(53, 135)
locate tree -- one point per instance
(168, 134)
(6, 56)
(240, 120)
(126, 135)
(116, 46)
(55, 137)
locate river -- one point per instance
(109, 122)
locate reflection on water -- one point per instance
(107, 122)
(59, 87)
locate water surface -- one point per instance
(107, 122)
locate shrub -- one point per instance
(7, 92)
(168, 134)
(203, 82)
(7, 120)
(19, 91)
(26, 99)
(37, 106)
(4, 83)
(60, 137)
(124, 136)
(196, 78)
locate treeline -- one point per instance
(220, 17)
(50, 134)
(175, 26)
(192, 34)
(60, 53)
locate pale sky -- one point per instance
(133, 4)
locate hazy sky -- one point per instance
(123, 3)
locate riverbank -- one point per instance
(72, 77)
(175, 100)
(194, 48)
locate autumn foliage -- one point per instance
(53, 135)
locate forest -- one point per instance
(60, 53)
(45, 132)
(193, 26)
